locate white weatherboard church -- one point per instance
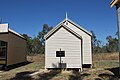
(74, 41)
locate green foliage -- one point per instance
(109, 47)
(44, 31)
(112, 45)
(95, 44)
(36, 45)
(29, 43)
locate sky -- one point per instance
(28, 16)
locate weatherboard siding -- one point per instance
(67, 42)
(87, 50)
(3, 37)
(16, 50)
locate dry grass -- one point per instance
(106, 67)
(36, 58)
(37, 62)
(105, 60)
(105, 56)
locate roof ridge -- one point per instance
(62, 23)
(78, 26)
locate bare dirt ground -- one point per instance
(105, 67)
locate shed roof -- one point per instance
(66, 27)
(5, 29)
(10, 30)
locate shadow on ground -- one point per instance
(108, 76)
(49, 75)
(97, 79)
(115, 71)
(16, 65)
(21, 76)
(43, 76)
(78, 76)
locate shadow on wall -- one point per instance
(78, 76)
(62, 65)
(54, 65)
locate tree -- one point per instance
(95, 43)
(37, 44)
(36, 49)
(112, 45)
(41, 35)
(29, 43)
(44, 31)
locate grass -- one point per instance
(37, 62)
(105, 56)
(105, 67)
(106, 63)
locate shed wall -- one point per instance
(4, 37)
(16, 49)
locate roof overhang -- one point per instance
(66, 27)
(4, 28)
(114, 2)
(15, 33)
(57, 28)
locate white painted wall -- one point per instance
(87, 50)
(67, 42)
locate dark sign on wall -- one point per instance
(60, 53)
